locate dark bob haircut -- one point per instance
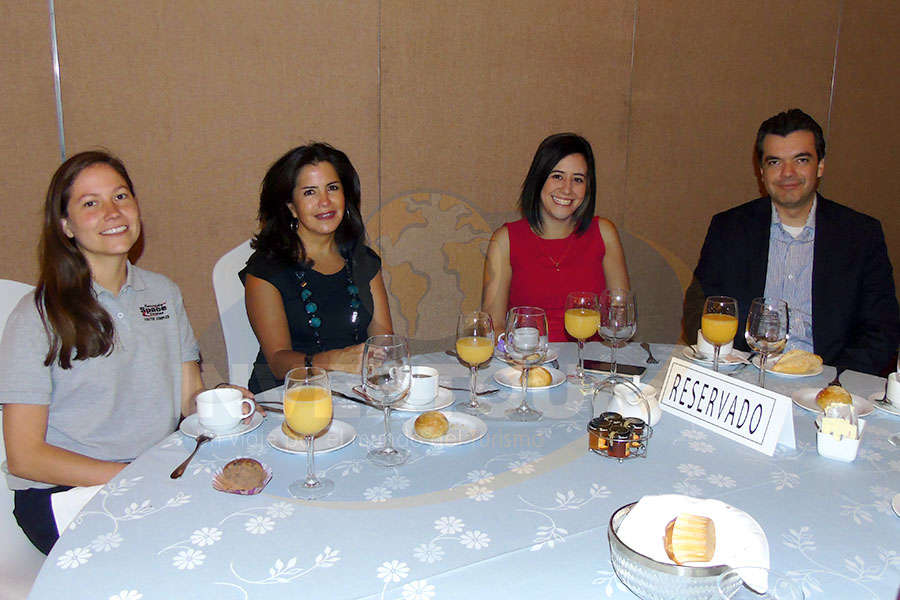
(786, 123)
(552, 150)
(277, 237)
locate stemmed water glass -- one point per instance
(767, 330)
(386, 375)
(307, 411)
(618, 320)
(719, 323)
(581, 320)
(474, 346)
(526, 345)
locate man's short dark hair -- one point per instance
(786, 123)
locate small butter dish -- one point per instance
(844, 449)
(243, 476)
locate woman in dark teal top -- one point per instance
(313, 289)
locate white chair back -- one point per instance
(241, 344)
(19, 560)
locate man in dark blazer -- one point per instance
(849, 285)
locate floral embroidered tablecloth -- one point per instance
(522, 512)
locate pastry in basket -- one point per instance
(833, 394)
(797, 362)
(538, 377)
(242, 474)
(690, 538)
(431, 424)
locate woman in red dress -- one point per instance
(559, 246)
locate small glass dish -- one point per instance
(219, 484)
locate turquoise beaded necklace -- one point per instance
(312, 308)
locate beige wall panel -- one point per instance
(864, 144)
(704, 79)
(28, 143)
(199, 98)
(469, 89)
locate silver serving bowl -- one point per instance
(653, 580)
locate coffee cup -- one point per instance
(706, 349)
(423, 386)
(893, 389)
(221, 409)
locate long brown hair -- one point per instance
(64, 296)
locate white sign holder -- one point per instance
(740, 411)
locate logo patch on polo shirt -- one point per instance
(155, 312)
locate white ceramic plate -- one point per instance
(464, 429)
(552, 354)
(443, 399)
(727, 362)
(772, 360)
(191, 427)
(895, 504)
(339, 434)
(509, 377)
(888, 408)
(806, 398)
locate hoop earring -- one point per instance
(295, 223)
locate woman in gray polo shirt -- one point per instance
(99, 363)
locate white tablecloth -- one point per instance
(522, 513)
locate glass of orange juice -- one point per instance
(474, 346)
(719, 323)
(581, 319)
(307, 411)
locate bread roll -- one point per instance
(797, 362)
(538, 377)
(431, 424)
(832, 394)
(690, 538)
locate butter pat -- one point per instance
(839, 428)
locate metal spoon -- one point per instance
(650, 359)
(481, 393)
(201, 439)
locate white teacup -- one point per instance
(423, 386)
(706, 349)
(221, 409)
(893, 389)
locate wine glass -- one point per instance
(757, 583)
(386, 375)
(474, 346)
(719, 323)
(307, 411)
(526, 345)
(618, 320)
(581, 319)
(767, 328)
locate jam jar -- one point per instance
(620, 438)
(637, 428)
(598, 433)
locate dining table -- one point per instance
(522, 512)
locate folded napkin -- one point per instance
(740, 541)
(67, 505)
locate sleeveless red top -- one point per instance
(545, 271)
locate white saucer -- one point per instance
(509, 377)
(443, 399)
(338, 435)
(464, 429)
(895, 504)
(191, 426)
(806, 398)
(727, 362)
(772, 360)
(888, 408)
(552, 354)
